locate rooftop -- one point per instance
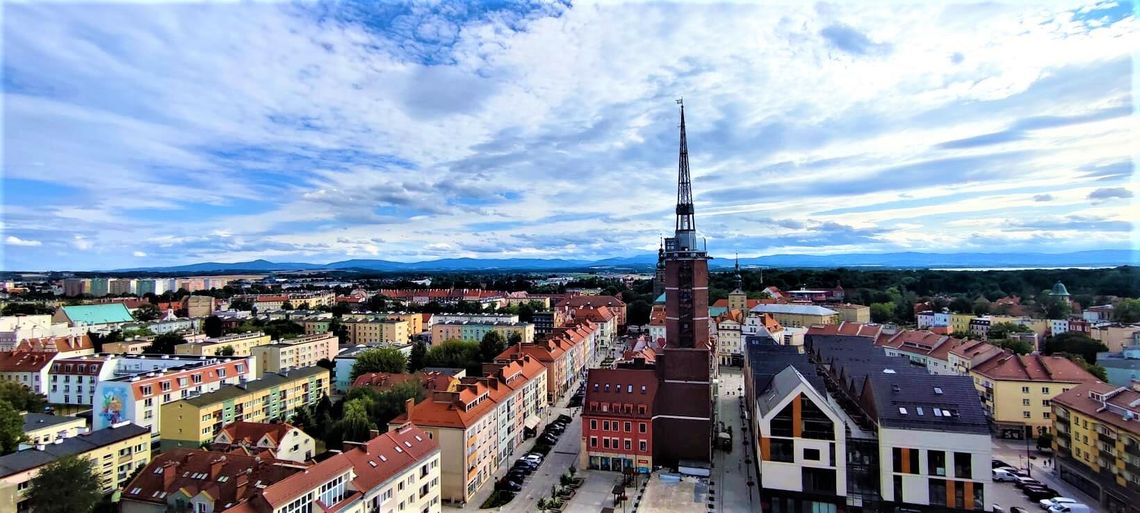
(1033, 367)
(34, 458)
(98, 314)
(1113, 405)
(35, 421)
(793, 309)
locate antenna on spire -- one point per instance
(686, 229)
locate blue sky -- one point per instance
(140, 135)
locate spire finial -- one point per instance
(686, 229)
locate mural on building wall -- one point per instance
(112, 407)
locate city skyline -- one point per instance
(320, 133)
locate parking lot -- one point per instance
(1007, 495)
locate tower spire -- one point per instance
(739, 281)
(686, 230)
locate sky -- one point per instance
(163, 134)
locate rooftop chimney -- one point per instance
(409, 405)
(169, 473)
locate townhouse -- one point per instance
(192, 421)
(278, 440)
(923, 348)
(565, 354)
(617, 420)
(303, 351)
(1017, 390)
(115, 452)
(1097, 443)
(481, 422)
(72, 381)
(603, 319)
(28, 368)
(397, 471)
(570, 304)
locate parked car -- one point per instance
(516, 475)
(999, 464)
(1049, 503)
(1074, 507)
(525, 466)
(548, 438)
(1036, 493)
(509, 485)
(1004, 475)
(533, 456)
(563, 418)
(1021, 481)
(1016, 509)
(555, 428)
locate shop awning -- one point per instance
(532, 421)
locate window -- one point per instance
(1044, 390)
(605, 443)
(593, 423)
(1025, 390)
(811, 454)
(898, 489)
(1025, 414)
(937, 489)
(1045, 415)
(641, 445)
(1025, 402)
(936, 463)
(605, 425)
(640, 427)
(783, 450)
(593, 441)
(1046, 403)
(963, 465)
(628, 427)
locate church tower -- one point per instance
(738, 299)
(686, 267)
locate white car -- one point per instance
(1072, 507)
(1049, 503)
(1003, 475)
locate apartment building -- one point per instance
(376, 330)
(565, 354)
(275, 396)
(241, 343)
(802, 445)
(1017, 390)
(397, 471)
(923, 348)
(109, 315)
(41, 429)
(475, 331)
(346, 359)
(141, 386)
(1097, 443)
(28, 368)
(569, 304)
(116, 452)
(303, 351)
(604, 321)
(917, 441)
(617, 420)
(850, 312)
(480, 423)
(966, 355)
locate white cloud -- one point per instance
(266, 131)
(13, 240)
(138, 254)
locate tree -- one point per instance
(287, 305)
(491, 345)
(11, 428)
(213, 326)
(147, 312)
(241, 304)
(73, 474)
(981, 306)
(455, 354)
(383, 359)
(1127, 310)
(637, 313)
(961, 305)
(1017, 346)
(27, 309)
(419, 354)
(355, 425)
(339, 329)
(515, 337)
(282, 329)
(1002, 330)
(165, 343)
(1075, 343)
(882, 312)
(21, 397)
(1045, 440)
(383, 406)
(226, 351)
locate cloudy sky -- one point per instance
(167, 134)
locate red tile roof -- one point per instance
(192, 471)
(26, 361)
(59, 344)
(1033, 367)
(606, 387)
(1118, 399)
(251, 433)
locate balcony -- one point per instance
(1108, 439)
(1132, 447)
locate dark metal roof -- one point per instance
(33, 458)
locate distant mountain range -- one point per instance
(1099, 258)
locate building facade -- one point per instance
(617, 420)
(294, 353)
(1017, 390)
(242, 344)
(1097, 443)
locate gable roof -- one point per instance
(793, 309)
(228, 478)
(253, 432)
(928, 402)
(856, 329)
(97, 314)
(28, 459)
(1033, 367)
(60, 344)
(1086, 398)
(782, 385)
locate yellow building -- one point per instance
(1017, 390)
(849, 312)
(136, 346)
(46, 429)
(115, 451)
(242, 344)
(316, 326)
(415, 321)
(475, 331)
(274, 397)
(798, 316)
(376, 330)
(1097, 443)
(298, 352)
(960, 322)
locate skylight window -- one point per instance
(902, 411)
(407, 443)
(384, 458)
(372, 463)
(937, 412)
(918, 410)
(937, 391)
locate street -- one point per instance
(1014, 453)
(733, 470)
